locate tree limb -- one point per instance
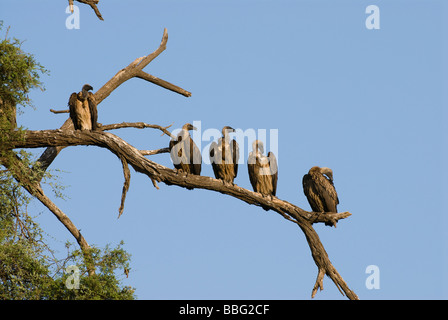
(152, 152)
(157, 172)
(91, 3)
(134, 69)
(59, 111)
(24, 175)
(138, 125)
(127, 181)
(55, 140)
(162, 83)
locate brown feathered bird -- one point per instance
(263, 171)
(184, 153)
(224, 156)
(83, 110)
(320, 191)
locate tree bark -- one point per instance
(156, 172)
(56, 140)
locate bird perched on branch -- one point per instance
(263, 171)
(184, 153)
(224, 156)
(83, 111)
(320, 191)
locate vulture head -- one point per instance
(87, 87)
(324, 170)
(328, 172)
(258, 145)
(188, 126)
(85, 90)
(227, 130)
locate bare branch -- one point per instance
(24, 175)
(91, 3)
(59, 111)
(122, 76)
(159, 173)
(319, 282)
(162, 83)
(55, 140)
(152, 152)
(134, 70)
(329, 218)
(127, 181)
(138, 125)
(70, 3)
(64, 138)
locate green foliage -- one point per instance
(29, 269)
(19, 73)
(24, 272)
(104, 284)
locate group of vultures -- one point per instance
(186, 157)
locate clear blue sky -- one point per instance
(370, 104)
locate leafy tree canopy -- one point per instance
(29, 268)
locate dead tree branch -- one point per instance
(138, 125)
(152, 152)
(134, 69)
(159, 173)
(59, 111)
(55, 140)
(127, 182)
(91, 3)
(24, 175)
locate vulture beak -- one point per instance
(328, 172)
(87, 87)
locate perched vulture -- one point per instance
(320, 191)
(263, 171)
(83, 110)
(185, 154)
(224, 156)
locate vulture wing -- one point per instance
(72, 107)
(274, 171)
(93, 110)
(312, 193)
(235, 156)
(195, 158)
(215, 155)
(253, 170)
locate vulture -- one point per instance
(83, 110)
(320, 191)
(224, 156)
(263, 171)
(184, 153)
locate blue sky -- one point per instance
(370, 104)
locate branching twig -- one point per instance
(91, 3)
(127, 181)
(157, 172)
(138, 125)
(134, 69)
(59, 111)
(152, 152)
(23, 175)
(319, 282)
(55, 140)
